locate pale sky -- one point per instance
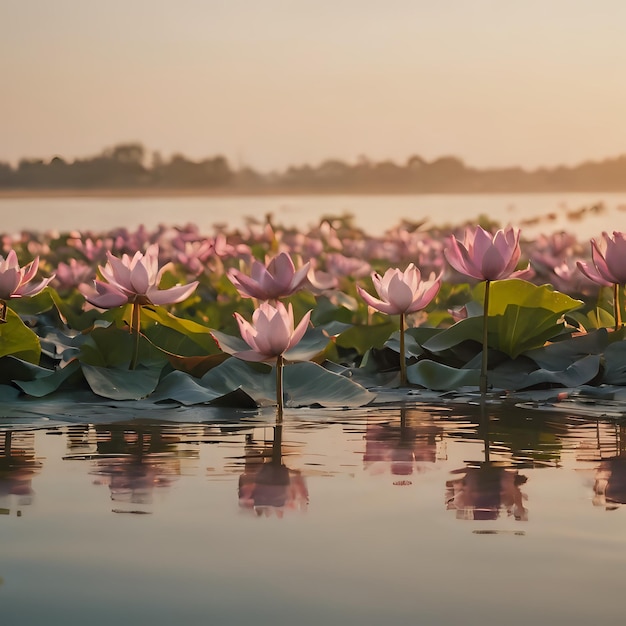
(275, 82)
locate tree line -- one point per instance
(129, 166)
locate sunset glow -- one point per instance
(273, 83)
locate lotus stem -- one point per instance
(279, 388)
(135, 325)
(3, 312)
(617, 305)
(483, 367)
(402, 356)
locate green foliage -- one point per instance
(34, 305)
(522, 316)
(517, 292)
(532, 340)
(49, 381)
(438, 376)
(199, 334)
(113, 347)
(362, 338)
(18, 340)
(121, 384)
(305, 384)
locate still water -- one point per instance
(405, 515)
(373, 213)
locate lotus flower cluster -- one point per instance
(325, 261)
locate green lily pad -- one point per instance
(440, 377)
(121, 384)
(615, 364)
(16, 339)
(194, 331)
(578, 373)
(44, 385)
(362, 338)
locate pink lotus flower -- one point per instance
(271, 333)
(401, 292)
(341, 265)
(609, 261)
(276, 280)
(72, 274)
(484, 256)
(16, 281)
(136, 281)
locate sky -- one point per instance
(270, 83)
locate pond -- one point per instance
(583, 214)
(447, 514)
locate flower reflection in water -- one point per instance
(267, 486)
(485, 489)
(405, 447)
(134, 461)
(610, 483)
(18, 465)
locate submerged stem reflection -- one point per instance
(267, 486)
(486, 488)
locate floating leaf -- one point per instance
(12, 369)
(257, 382)
(440, 377)
(309, 384)
(44, 385)
(121, 384)
(578, 373)
(560, 354)
(182, 388)
(197, 366)
(304, 384)
(615, 364)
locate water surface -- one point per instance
(373, 213)
(375, 516)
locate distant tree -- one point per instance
(6, 174)
(127, 153)
(182, 172)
